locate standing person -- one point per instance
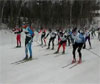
(68, 32)
(78, 44)
(93, 32)
(18, 31)
(58, 34)
(99, 34)
(28, 41)
(62, 42)
(52, 38)
(43, 36)
(87, 37)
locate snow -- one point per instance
(46, 69)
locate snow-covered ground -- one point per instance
(46, 69)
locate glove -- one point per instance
(26, 32)
(15, 32)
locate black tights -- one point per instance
(42, 37)
(51, 40)
(79, 46)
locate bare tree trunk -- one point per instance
(20, 12)
(80, 18)
(71, 5)
(2, 11)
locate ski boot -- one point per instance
(52, 48)
(84, 46)
(26, 58)
(20, 46)
(30, 58)
(17, 46)
(80, 61)
(63, 52)
(48, 47)
(56, 52)
(73, 61)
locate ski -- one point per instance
(48, 54)
(23, 61)
(18, 61)
(42, 46)
(73, 66)
(59, 55)
(67, 65)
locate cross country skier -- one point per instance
(93, 32)
(28, 40)
(18, 31)
(51, 39)
(78, 44)
(43, 36)
(99, 34)
(68, 33)
(58, 34)
(62, 42)
(87, 37)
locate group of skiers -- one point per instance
(76, 37)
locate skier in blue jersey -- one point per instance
(87, 37)
(28, 41)
(79, 40)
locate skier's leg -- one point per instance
(45, 41)
(58, 40)
(49, 43)
(79, 51)
(89, 42)
(74, 50)
(68, 39)
(64, 46)
(26, 48)
(84, 45)
(26, 52)
(72, 40)
(17, 40)
(17, 43)
(98, 36)
(20, 41)
(41, 40)
(53, 43)
(59, 45)
(30, 49)
(94, 33)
